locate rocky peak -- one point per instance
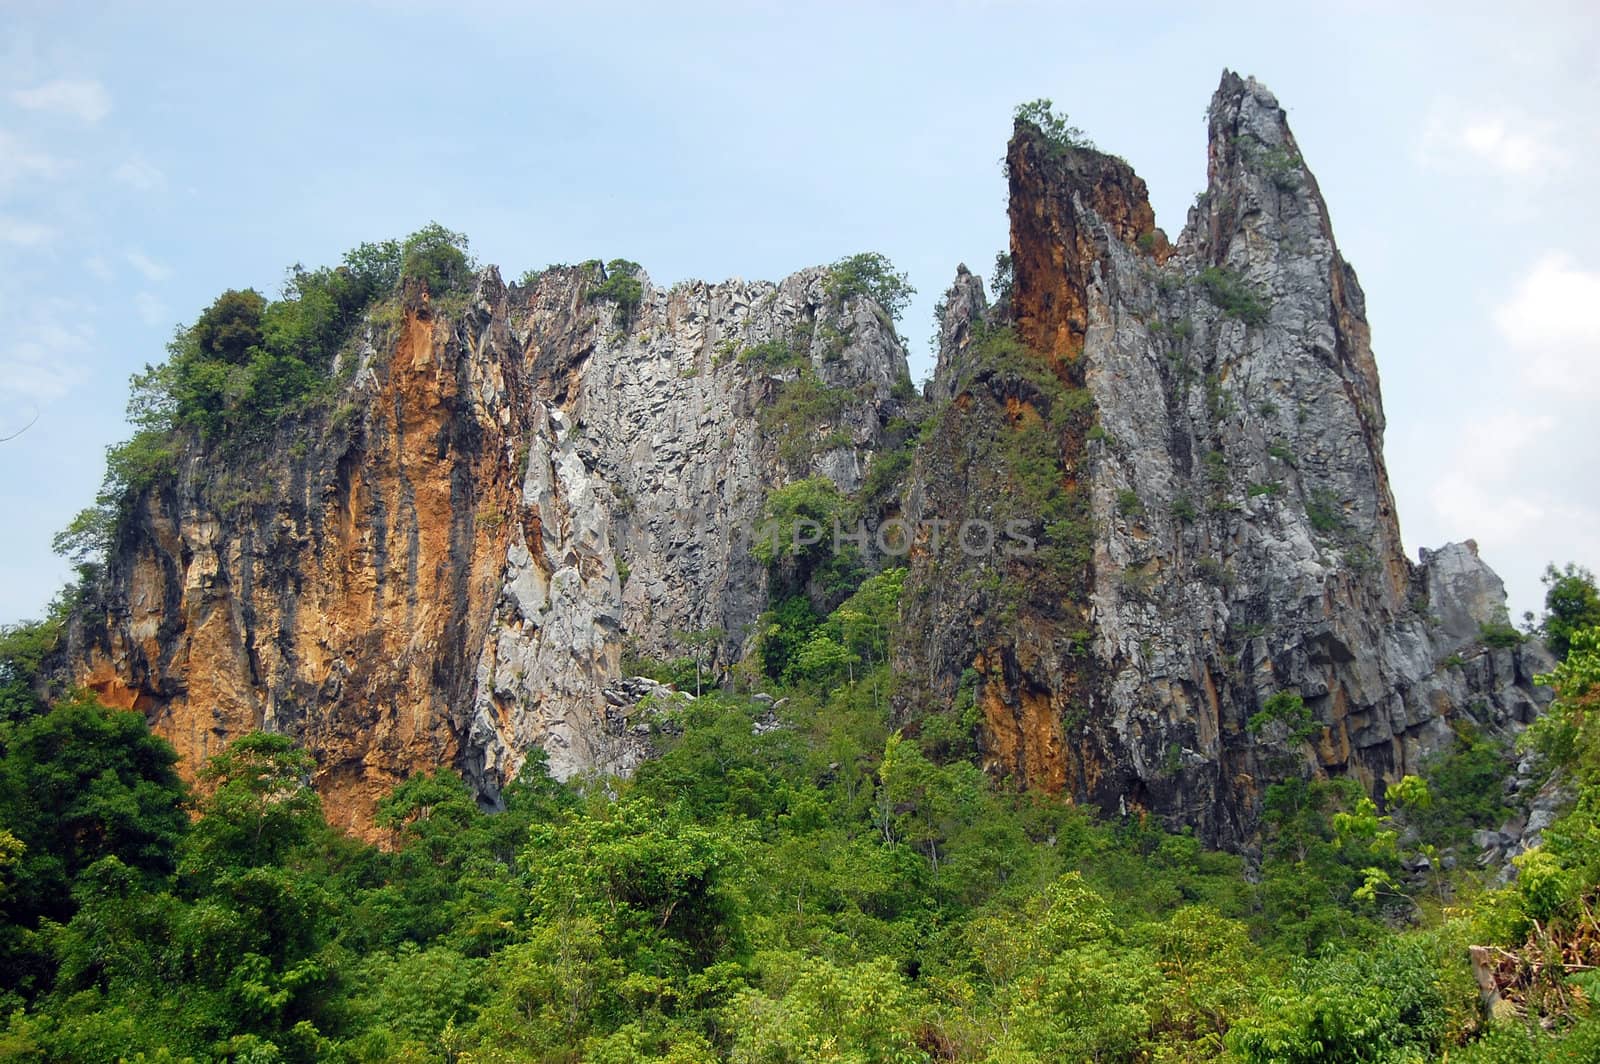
(962, 311)
(1054, 189)
(1241, 533)
(1176, 451)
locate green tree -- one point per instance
(414, 1003)
(80, 783)
(703, 646)
(438, 258)
(798, 522)
(260, 808)
(623, 287)
(450, 875)
(872, 275)
(230, 329)
(1568, 733)
(660, 885)
(861, 1013)
(1361, 1007)
(1571, 603)
(23, 649)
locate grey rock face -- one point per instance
(650, 458)
(1245, 536)
(450, 563)
(1463, 594)
(517, 495)
(963, 308)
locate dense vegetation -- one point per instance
(824, 890)
(247, 362)
(794, 879)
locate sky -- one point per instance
(153, 155)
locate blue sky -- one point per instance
(153, 156)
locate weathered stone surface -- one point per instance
(432, 571)
(447, 565)
(1245, 536)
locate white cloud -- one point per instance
(138, 173)
(19, 162)
(23, 233)
(42, 363)
(151, 310)
(99, 267)
(1517, 476)
(1466, 499)
(1509, 144)
(148, 268)
(1550, 319)
(86, 101)
(1493, 141)
(1517, 482)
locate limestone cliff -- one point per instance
(444, 567)
(446, 564)
(1238, 533)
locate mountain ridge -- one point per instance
(523, 486)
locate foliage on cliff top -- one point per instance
(621, 286)
(248, 361)
(872, 275)
(1060, 135)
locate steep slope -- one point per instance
(1219, 529)
(1150, 518)
(445, 567)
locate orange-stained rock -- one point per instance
(329, 618)
(424, 571)
(1210, 490)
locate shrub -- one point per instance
(1282, 167)
(1002, 280)
(1325, 513)
(437, 257)
(1288, 709)
(1218, 402)
(1214, 572)
(677, 672)
(1060, 135)
(1216, 467)
(623, 287)
(886, 472)
(1468, 784)
(872, 275)
(815, 500)
(1383, 1006)
(772, 355)
(1500, 634)
(802, 407)
(1233, 295)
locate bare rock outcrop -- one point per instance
(1225, 526)
(445, 565)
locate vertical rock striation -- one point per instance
(1152, 496)
(1244, 536)
(444, 566)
